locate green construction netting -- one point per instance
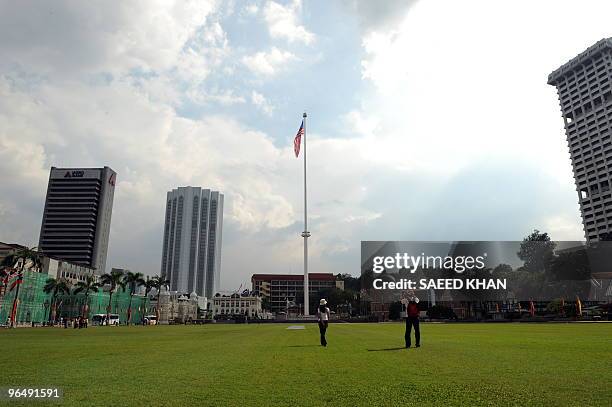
(36, 306)
(73, 305)
(33, 301)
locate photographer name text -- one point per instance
(441, 284)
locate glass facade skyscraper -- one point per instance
(77, 215)
(191, 247)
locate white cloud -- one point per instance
(268, 63)
(564, 227)
(359, 124)
(283, 22)
(205, 51)
(446, 92)
(226, 97)
(376, 15)
(167, 48)
(262, 103)
(251, 9)
(64, 38)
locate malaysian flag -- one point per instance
(298, 140)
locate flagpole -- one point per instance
(305, 233)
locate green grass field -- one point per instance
(458, 364)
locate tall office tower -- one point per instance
(77, 216)
(585, 95)
(191, 254)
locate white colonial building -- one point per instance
(174, 307)
(237, 305)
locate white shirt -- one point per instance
(323, 316)
(405, 301)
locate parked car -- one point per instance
(101, 319)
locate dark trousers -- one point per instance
(322, 330)
(410, 322)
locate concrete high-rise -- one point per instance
(77, 215)
(191, 253)
(584, 88)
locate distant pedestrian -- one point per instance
(323, 314)
(412, 319)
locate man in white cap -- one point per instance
(412, 319)
(323, 318)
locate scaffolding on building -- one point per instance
(34, 306)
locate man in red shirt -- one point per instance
(412, 319)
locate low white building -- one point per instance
(237, 305)
(71, 272)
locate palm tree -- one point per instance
(149, 285)
(158, 282)
(5, 272)
(55, 288)
(132, 281)
(90, 285)
(113, 280)
(22, 259)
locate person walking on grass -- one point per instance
(412, 319)
(323, 318)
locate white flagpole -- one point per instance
(305, 233)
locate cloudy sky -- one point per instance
(428, 120)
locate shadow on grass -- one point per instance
(385, 349)
(301, 346)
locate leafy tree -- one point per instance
(367, 279)
(56, 287)
(555, 306)
(90, 285)
(132, 281)
(573, 265)
(265, 303)
(502, 269)
(297, 299)
(537, 251)
(395, 310)
(441, 312)
(336, 297)
(350, 282)
(114, 279)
